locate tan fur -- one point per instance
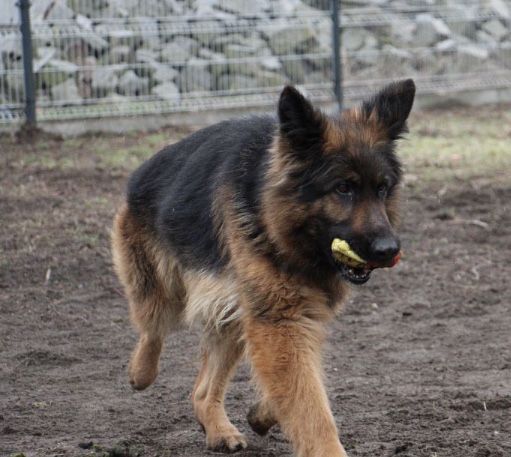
(333, 136)
(174, 295)
(357, 130)
(280, 216)
(212, 300)
(282, 293)
(286, 362)
(151, 276)
(155, 293)
(329, 204)
(221, 354)
(261, 417)
(392, 208)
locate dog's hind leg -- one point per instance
(155, 292)
(144, 363)
(221, 354)
(155, 316)
(150, 316)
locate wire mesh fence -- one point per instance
(446, 46)
(100, 58)
(12, 91)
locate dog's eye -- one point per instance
(383, 190)
(344, 188)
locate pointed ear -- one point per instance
(300, 123)
(391, 107)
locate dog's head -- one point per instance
(337, 178)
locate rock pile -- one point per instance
(167, 49)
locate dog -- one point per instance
(233, 227)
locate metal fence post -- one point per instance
(336, 52)
(28, 70)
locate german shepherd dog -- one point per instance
(232, 227)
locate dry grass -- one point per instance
(443, 144)
(459, 144)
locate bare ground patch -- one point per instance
(418, 364)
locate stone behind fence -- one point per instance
(104, 57)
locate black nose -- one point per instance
(385, 248)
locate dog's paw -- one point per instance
(260, 421)
(227, 443)
(141, 375)
(143, 366)
(141, 381)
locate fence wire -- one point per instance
(103, 58)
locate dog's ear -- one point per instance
(391, 107)
(300, 124)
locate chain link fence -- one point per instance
(104, 58)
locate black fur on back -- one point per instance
(173, 191)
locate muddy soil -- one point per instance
(418, 363)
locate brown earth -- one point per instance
(418, 364)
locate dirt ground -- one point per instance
(418, 364)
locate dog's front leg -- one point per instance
(285, 355)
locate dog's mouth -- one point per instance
(351, 266)
(352, 271)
